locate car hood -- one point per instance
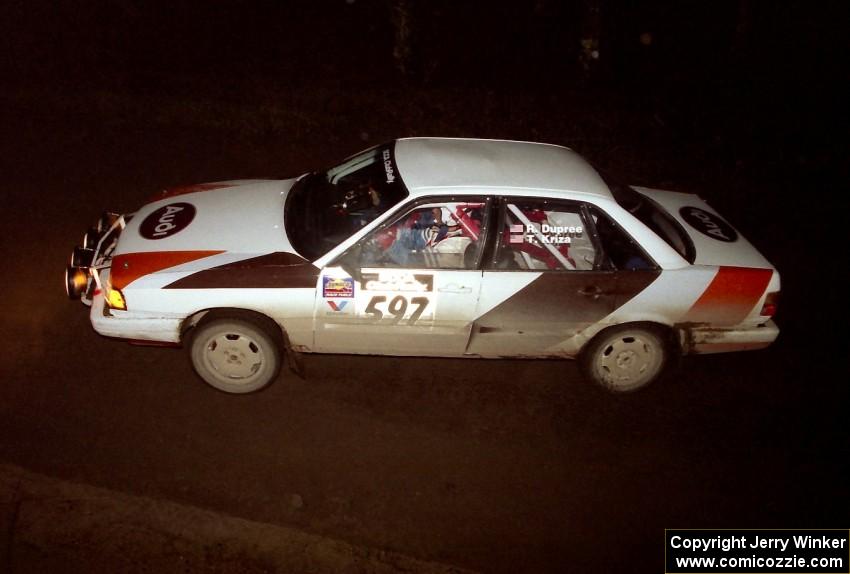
(230, 216)
(715, 241)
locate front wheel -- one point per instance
(626, 358)
(235, 355)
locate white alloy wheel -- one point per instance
(235, 355)
(625, 358)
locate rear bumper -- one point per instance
(128, 325)
(706, 341)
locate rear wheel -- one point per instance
(625, 358)
(235, 355)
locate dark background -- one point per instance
(501, 466)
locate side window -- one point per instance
(434, 235)
(541, 235)
(621, 252)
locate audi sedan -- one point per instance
(428, 247)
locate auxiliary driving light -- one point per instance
(107, 219)
(82, 257)
(91, 238)
(76, 280)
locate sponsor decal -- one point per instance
(388, 166)
(398, 281)
(708, 224)
(337, 305)
(337, 287)
(168, 220)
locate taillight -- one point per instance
(770, 304)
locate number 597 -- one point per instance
(396, 308)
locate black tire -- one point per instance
(625, 358)
(237, 355)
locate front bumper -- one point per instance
(88, 275)
(133, 326)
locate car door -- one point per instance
(410, 287)
(543, 283)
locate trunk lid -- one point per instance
(715, 241)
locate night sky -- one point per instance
(777, 67)
(510, 45)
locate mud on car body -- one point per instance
(428, 247)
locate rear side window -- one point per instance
(540, 235)
(621, 251)
(658, 220)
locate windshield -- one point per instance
(658, 220)
(326, 207)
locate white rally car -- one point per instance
(429, 247)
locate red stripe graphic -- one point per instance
(128, 267)
(730, 296)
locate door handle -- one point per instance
(454, 288)
(592, 291)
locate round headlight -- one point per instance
(82, 257)
(91, 238)
(107, 219)
(76, 280)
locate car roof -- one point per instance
(427, 164)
